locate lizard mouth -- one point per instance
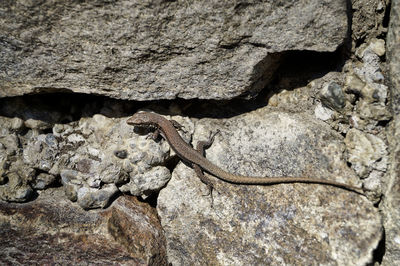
(133, 121)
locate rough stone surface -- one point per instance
(269, 225)
(43, 181)
(97, 155)
(15, 174)
(52, 231)
(391, 201)
(325, 111)
(333, 96)
(158, 49)
(367, 18)
(373, 103)
(96, 158)
(136, 226)
(366, 152)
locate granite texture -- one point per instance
(275, 224)
(51, 231)
(391, 201)
(145, 50)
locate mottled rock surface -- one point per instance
(366, 152)
(98, 157)
(15, 175)
(368, 18)
(324, 113)
(158, 49)
(94, 159)
(51, 231)
(268, 225)
(391, 201)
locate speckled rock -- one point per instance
(378, 46)
(15, 175)
(166, 50)
(364, 79)
(159, 49)
(391, 200)
(16, 186)
(366, 152)
(43, 181)
(368, 19)
(42, 152)
(145, 156)
(98, 157)
(95, 157)
(333, 96)
(323, 113)
(372, 104)
(268, 225)
(52, 231)
(89, 198)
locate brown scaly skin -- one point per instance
(188, 154)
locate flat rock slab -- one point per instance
(51, 230)
(297, 224)
(158, 49)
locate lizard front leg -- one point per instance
(177, 125)
(154, 135)
(201, 146)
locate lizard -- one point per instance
(168, 130)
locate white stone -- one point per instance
(322, 112)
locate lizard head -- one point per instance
(140, 119)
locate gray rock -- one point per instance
(16, 124)
(16, 176)
(216, 50)
(43, 181)
(365, 79)
(91, 198)
(323, 113)
(96, 156)
(367, 19)
(86, 154)
(16, 181)
(159, 49)
(37, 124)
(71, 183)
(146, 183)
(391, 200)
(353, 83)
(378, 46)
(333, 96)
(373, 111)
(374, 181)
(42, 152)
(370, 71)
(366, 152)
(147, 176)
(374, 92)
(76, 189)
(268, 225)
